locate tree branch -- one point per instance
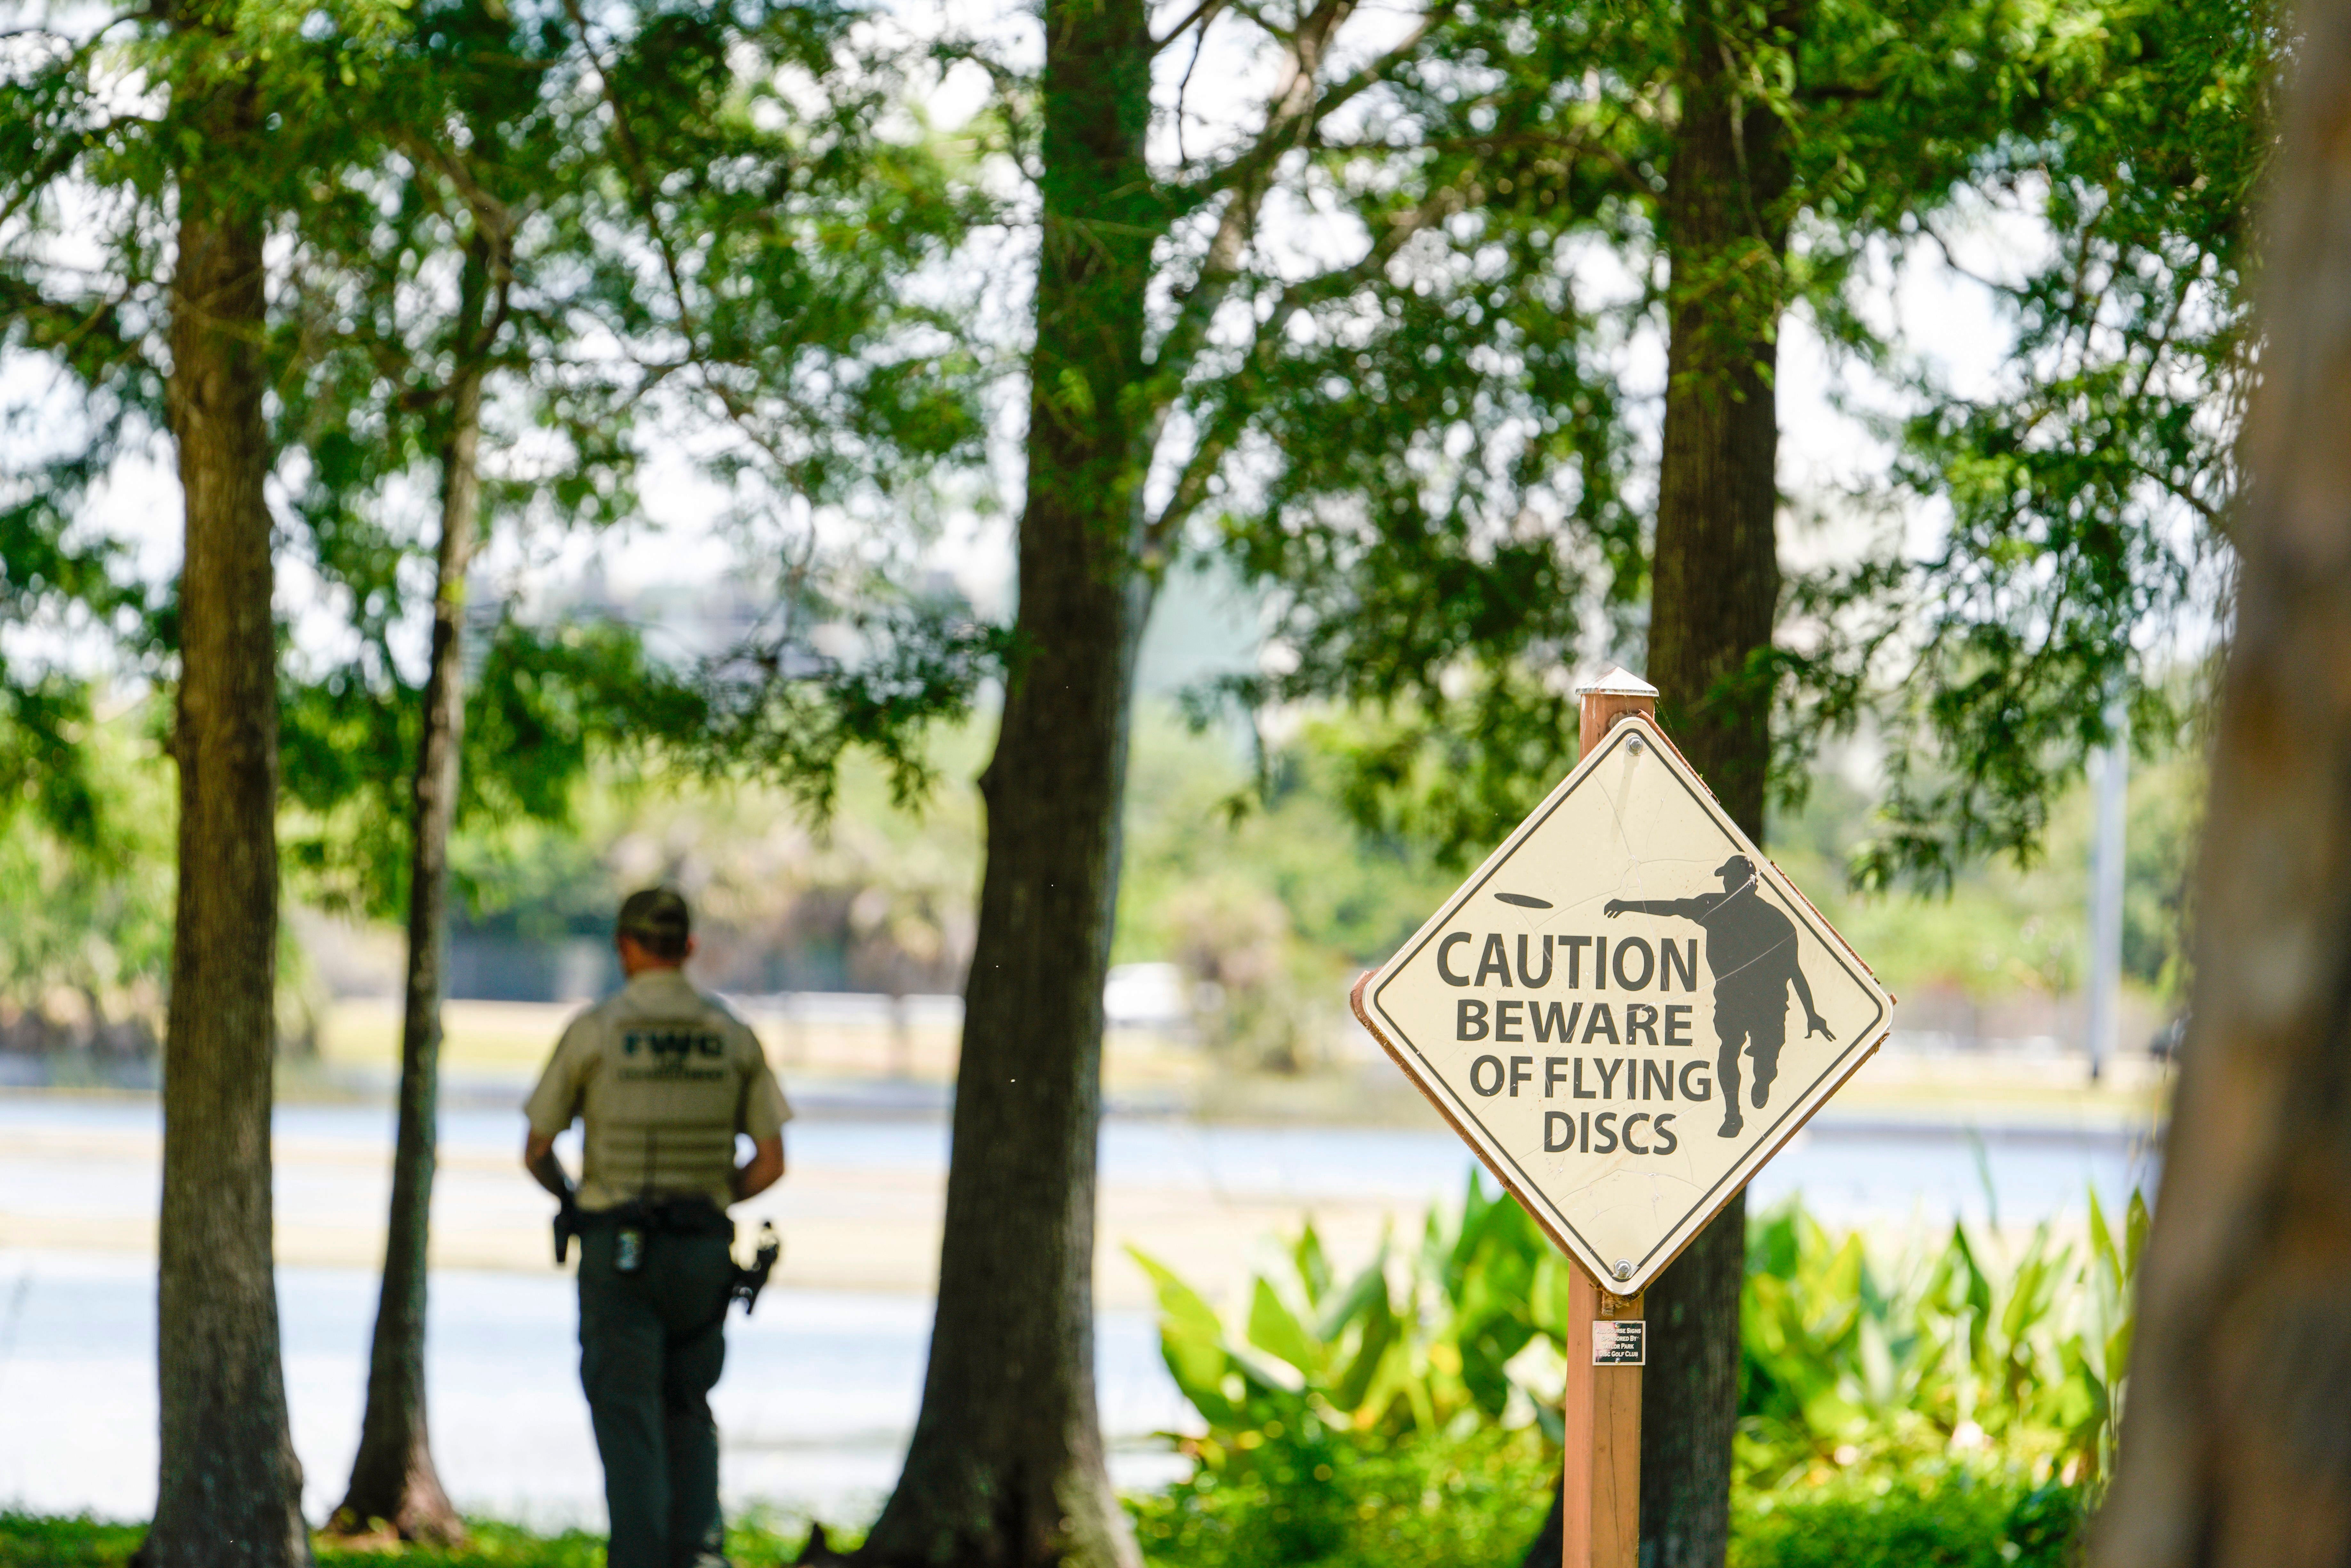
(1199, 17)
(1290, 116)
(633, 158)
(738, 413)
(1281, 134)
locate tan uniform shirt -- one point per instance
(664, 1077)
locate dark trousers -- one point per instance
(651, 1346)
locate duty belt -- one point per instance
(683, 1215)
(680, 1215)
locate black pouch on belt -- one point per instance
(638, 1218)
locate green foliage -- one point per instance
(1195, 816)
(683, 216)
(1477, 1499)
(1996, 929)
(1265, 893)
(706, 195)
(1309, 1495)
(1941, 1517)
(873, 896)
(90, 916)
(924, 662)
(104, 114)
(1469, 1501)
(1272, 895)
(1851, 1366)
(1846, 1362)
(551, 702)
(1479, 535)
(1366, 1355)
(2086, 482)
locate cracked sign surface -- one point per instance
(1627, 1010)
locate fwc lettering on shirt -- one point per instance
(672, 1054)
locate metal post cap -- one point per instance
(1618, 682)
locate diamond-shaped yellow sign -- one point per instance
(1627, 1010)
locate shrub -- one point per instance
(1933, 1407)
(1407, 1345)
(1314, 1495)
(1928, 1517)
(1846, 1358)
(1937, 1352)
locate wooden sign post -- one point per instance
(1601, 1503)
(1600, 1511)
(1624, 1012)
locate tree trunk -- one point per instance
(1714, 592)
(1007, 1465)
(393, 1479)
(1713, 595)
(2233, 1447)
(229, 1489)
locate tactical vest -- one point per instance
(662, 1112)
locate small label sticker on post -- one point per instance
(1620, 1344)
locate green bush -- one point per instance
(1948, 1517)
(1942, 1405)
(1475, 1499)
(1848, 1359)
(1313, 1495)
(1383, 1356)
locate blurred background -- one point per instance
(1244, 1099)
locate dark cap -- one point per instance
(1740, 864)
(657, 918)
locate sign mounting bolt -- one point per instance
(1623, 1271)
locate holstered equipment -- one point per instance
(750, 1281)
(566, 1226)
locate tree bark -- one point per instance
(229, 1489)
(1007, 1465)
(393, 1479)
(2233, 1448)
(1713, 595)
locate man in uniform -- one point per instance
(1750, 948)
(665, 1079)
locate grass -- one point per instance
(1473, 1503)
(33, 1542)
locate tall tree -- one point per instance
(528, 154)
(447, 119)
(1693, 142)
(1714, 597)
(230, 1490)
(393, 1477)
(1007, 1465)
(2230, 1452)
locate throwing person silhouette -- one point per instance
(1750, 948)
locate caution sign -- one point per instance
(1627, 1010)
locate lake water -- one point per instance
(821, 1386)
